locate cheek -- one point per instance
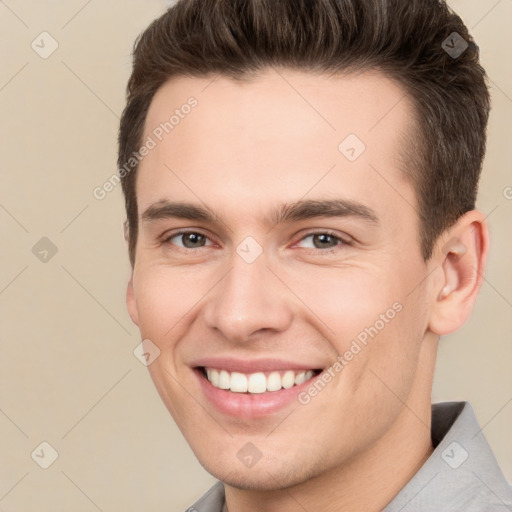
(382, 374)
(346, 301)
(164, 298)
(372, 322)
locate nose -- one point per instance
(249, 300)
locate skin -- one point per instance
(244, 150)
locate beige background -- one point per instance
(68, 374)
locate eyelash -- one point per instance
(342, 242)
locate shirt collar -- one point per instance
(462, 472)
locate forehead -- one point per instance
(278, 136)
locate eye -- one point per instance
(321, 240)
(188, 240)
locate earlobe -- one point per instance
(131, 303)
(462, 259)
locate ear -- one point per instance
(462, 255)
(126, 231)
(131, 303)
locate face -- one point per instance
(278, 270)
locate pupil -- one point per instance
(192, 240)
(324, 240)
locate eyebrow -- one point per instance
(284, 213)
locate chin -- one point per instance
(263, 476)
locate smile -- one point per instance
(258, 382)
(248, 388)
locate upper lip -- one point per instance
(251, 365)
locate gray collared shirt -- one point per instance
(461, 475)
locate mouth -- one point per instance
(257, 382)
(250, 389)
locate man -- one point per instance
(300, 182)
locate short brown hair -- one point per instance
(409, 41)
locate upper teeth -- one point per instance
(256, 382)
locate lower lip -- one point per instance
(248, 405)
